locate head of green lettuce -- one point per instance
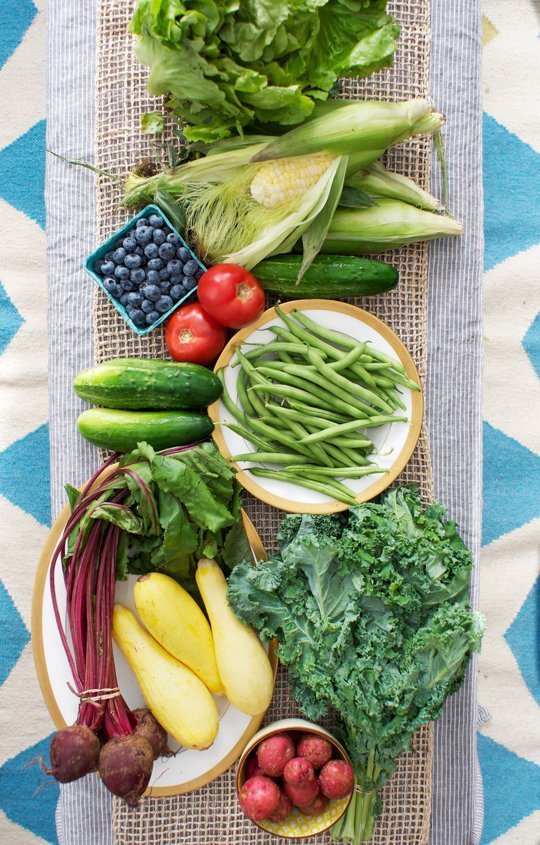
(225, 64)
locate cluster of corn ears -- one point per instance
(321, 184)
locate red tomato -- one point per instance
(193, 335)
(231, 295)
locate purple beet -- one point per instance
(74, 753)
(149, 727)
(125, 766)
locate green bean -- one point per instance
(383, 381)
(274, 346)
(344, 384)
(342, 339)
(352, 443)
(334, 430)
(254, 379)
(241, 390)
(321, 487)
(322, 413)
(317, 422)
(273, 458)
(341, 472)
(345, 456)
(331, 386)
(266, 445)
(227, 400)
(373, 366)
(348, 359)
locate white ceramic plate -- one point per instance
(188, 769)
(394, 443)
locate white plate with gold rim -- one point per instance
(188, 769)
(394, 443)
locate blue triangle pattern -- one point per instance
(505, 805)
(22, 165)
(523, 637)
(17, 788)
(13, 25)
(13, 634)
(28, 458)
(10, 320)
(531, 343)
(511, 190)
(511, 485)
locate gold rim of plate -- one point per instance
(43, 675)
(401, 352)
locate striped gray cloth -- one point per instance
(453, 394)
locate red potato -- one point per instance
(336, 779)
(317, 806)
(259, 797)
(314, 748)
(252, 767)
(298, 771)
(273, 754)
(284, 808)
(302, 796)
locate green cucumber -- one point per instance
(140, 384)
(120, 431)
(328, 277)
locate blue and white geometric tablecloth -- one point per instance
(509, 682)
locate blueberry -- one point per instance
(159, 236)
(147, 306)
(151, 250)
(138, 317)
(139, 251)
(153, 277)
(190, 283)
(176, 279)
(166, 251)
(173, 239)
(138, 276)
(97, 265)
(190, 267)
(107, 268)
(165, 287)
(198, 274)
(163, 304)
(135, 299)
(108, 255)
(164, 274)
(119, 255)
(128, 285)
(144, 234)
(109, 284)
(142, 221)
(155, 264)
(156, 221)
(175, 266)
(177, 292)
(121, 272)
(183, 253)
(133, 261)
(152, 317)
(124, 299)
(151, 292)
(129, 244)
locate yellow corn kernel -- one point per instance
(284, 179)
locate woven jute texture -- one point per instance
(210, 816)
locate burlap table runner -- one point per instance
(210, 816)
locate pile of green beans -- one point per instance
(307, 407)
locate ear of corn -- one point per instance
(364, 128)
(388, 225)
(379, 182)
